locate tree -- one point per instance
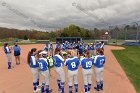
(25, 37)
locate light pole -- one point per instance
(137, 31)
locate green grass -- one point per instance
(129, 59)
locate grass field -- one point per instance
(129, 59)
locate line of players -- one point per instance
(40, 62)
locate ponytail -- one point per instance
(87, 52)
(29, 54)
(100, 51)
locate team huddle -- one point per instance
(41, 61)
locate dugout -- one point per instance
(69, 39)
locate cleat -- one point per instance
(96, 89)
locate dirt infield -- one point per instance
(19, 79)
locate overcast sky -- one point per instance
(56, 14)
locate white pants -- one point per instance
(87, 74)
(35, 72)
(46, 77)
(9, 57)
(99, 74)
(73, 76)
(60, 73)
(91, 52)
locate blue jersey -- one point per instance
(51, 47)
(58, 46)
(87, 63)
(90, 48)
(33, 62)
(81, 49)
(43, 64)
(16, 48)
(99, 61)
(97, 46)
(7, 50)
(63, 47)
(72, 63)
(46, 48)
(58, 60)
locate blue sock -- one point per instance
(59, 84)
(42, 88)
(76, 87)
(34, 84)
(101, 85)
(37, 82)
(62, 87)
(70, 89)
(89, 86)
(47, 88)
(9, 64)
(98, 85)
(86, 88)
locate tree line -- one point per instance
(70, 31)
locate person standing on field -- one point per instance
(87, 64)
(72, 64)
(17, 50)
(8, 53)
(99, 62)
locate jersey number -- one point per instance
(102, 61)
(73, 64)
(89, 64)
(41, 65)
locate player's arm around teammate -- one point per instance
(58, 65)
(43, 66)
(87, 64)
(72, 64)
(99, 62)
(32, 61)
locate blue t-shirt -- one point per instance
(16, 48)
(46, 48)
(90, 48)
(87, 63)
(58, 46)
(81, 49)
(63, 47)
(33, 62)
(58, 60)
(43, 64)
(72, 63)
(99, 61)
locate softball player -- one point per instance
(51, 50)
(63, 47)
(58, 64)
(32, 61)
(99, 62)
(91, 49)
(46, 48)
(17, 50)
(87, 64)
(8, 53)
(43, 65)
(72, 64)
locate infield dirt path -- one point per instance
(19, 79)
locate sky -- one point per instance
(56, 14)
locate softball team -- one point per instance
(60, 59)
